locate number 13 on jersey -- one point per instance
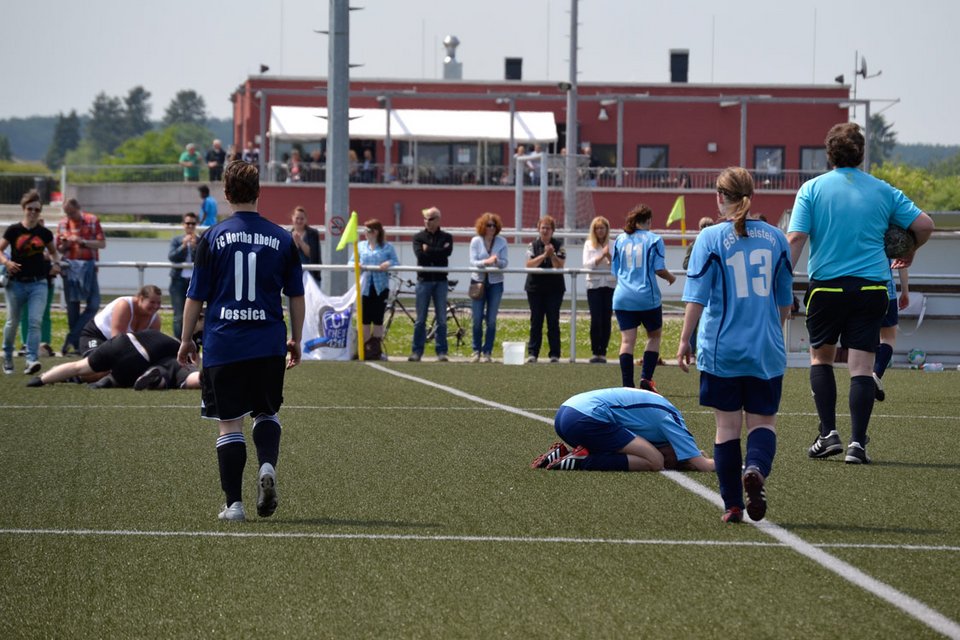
(754, 271)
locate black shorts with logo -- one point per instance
(248, 387)
(846, 309)
(128, 356)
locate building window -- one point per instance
(605, 154)
(652, 163)
(813, 159)
(768, 159)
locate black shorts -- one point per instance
(127, 359)
(846, 309)
(90, 338)
(373, 307)
(237, 389)
(651, 319)
(892, 318)
(753, 395)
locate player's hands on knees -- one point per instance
(293, 348)
(187, 354)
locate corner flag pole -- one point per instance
(349, 236)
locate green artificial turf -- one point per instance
(407, 511)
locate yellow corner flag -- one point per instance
(350, 233)
(679, 212)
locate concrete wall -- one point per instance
(158, 198)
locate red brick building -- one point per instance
(673, 139)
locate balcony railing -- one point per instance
(668, 178)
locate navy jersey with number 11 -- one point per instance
(741, 282)
(241, 267)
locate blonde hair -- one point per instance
(735, 185)
(592, 235)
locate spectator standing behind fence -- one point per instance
(27, 270)
(740, 281)
(487, 250)
(208, 207)
(46, 326)
(307, 241)
(845, 214)
(79, 239)
(638, 259)
(374, 252)
(433, 247)
(191, 160)
(545, 292)
(600, 285)
(216, 158)
(182, 249)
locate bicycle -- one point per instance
(455, 310)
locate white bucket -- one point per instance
(513, 352)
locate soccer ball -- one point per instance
(899, 242)
(916, 357)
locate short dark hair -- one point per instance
(190, 214)
(204, 190)
(845, 144)
(640, 214)
(241, 182)
(30, 196)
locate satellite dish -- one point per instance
(863, 67)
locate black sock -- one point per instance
(650, 359)
(266, 437)
(626, 369)
(884, 354)
(604, 462)
(862, 395)
(232, 457)
(824, 386)
(728, 461)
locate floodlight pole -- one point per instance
(570, 180)
(338, 138)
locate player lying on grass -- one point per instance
(622, 429)
(141, 360)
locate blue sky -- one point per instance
(58, 55)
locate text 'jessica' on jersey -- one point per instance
(643, 413)
(636, 259)
(243, 268)
(742, 282)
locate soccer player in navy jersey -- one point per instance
(621, 429)
(638, 258)
(739, 288)
(243, 265)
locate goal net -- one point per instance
(539, 180)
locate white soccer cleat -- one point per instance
(233, 512)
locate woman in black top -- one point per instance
(545, 292)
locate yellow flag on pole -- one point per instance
(350, 233)
(679, 213)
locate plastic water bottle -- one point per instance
(933, 367)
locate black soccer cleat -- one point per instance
(35, 381)
(152, 378)
(824, 447)
(753, 482)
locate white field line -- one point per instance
(399, 537)
(911, 606)
(491, 407)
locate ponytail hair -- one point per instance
(736, 187)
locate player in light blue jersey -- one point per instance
(242, 267)
(739, 288)
(638, 259)
(845, 214)
(622, 429)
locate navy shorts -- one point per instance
(848, 310)
(753, 395)
(651, 319)
(577, 429)
(892, 318)
(248, 387)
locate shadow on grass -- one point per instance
(915, 465)
(852, 528)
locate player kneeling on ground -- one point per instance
(141, 360)
(622, 429)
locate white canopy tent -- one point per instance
(310, 123)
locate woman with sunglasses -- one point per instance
(377, 255)
(182, 250)
(488, 250)
(27, 273)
